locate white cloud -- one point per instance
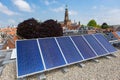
(11, 21)
(113, 16)
(110, 15)
(48, 2)
(4, 9)
(54, 1)
(62, 9)
(94, 7)
(59, 9)
(72, 12)
(102, 14)
(114, 11)
(22, 5)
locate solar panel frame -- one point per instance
(62, 65)
(17, 63)
(118, 33)
(41, 54)
(76, 61)
(82, 43)
(77, 48)
(43, 62)
(93, 43)
(104, 46)
(73, 62)
(16, 60)
(47, 69)
(89, 45)
(100, 43)
(81, 54)
(96, 56)
(61, 51)
(110, 36)
(67, 64)
(64, 52)
(56, 66)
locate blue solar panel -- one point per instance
(95, 45)
(69, 50)
(110, 36)
(105, 43)
(28, 57)
(40, 55)
(118, 33)
(51, 53)
(85, 50)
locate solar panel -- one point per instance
(118, 33)
(83, 47)
(95, 45)
(110, 36)
(51, 53)
(40, 55)
(28, 57)
(105, 43)
(70, 52)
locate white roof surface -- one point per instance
(13, 55)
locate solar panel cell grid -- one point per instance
(35, 56)
(118, 33)
(95, 45)
(105, 43)
(70, 52)
(28, 57)
(83, 47)
(51, 53)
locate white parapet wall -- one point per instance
(13, 55)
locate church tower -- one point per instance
(66, 19)
(67, 22)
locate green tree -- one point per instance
(92, 23)
(82, 25)
(104, 26)
(98, 26)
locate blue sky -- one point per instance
(12, 12)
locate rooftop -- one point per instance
(106, 69)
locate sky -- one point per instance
(12, 12)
